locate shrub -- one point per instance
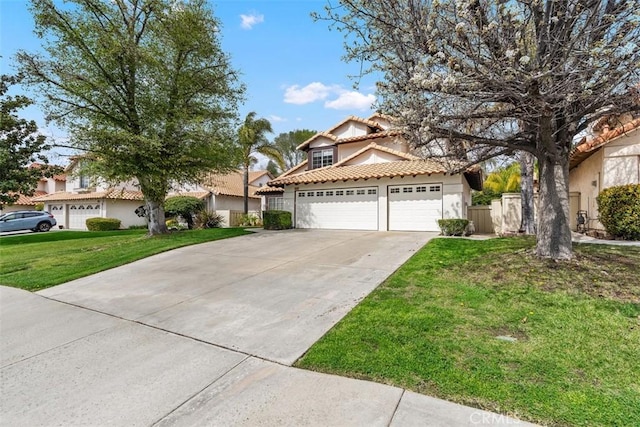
(138, 227)
(277, 220)
(185, 206)
(208, 219)
(103, 224)
(453, 227)
(39, 206)
(619, 209)
(250, 220)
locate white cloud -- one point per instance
(335, 96)
(248, 21)
(312, 92)
(351, 101)
(276, 119)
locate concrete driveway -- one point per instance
(205, 335)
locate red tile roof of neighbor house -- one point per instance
(231, 184)
(588, 146)
(115, 194)
(368, 171)
(28, 200)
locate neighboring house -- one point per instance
(361, 175)
(83, 198)
(610, 157)
(46, 185)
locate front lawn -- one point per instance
(569, 352)
(40, 260)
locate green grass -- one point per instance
(432, 328)
(40, 260)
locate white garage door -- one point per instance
(79, 212)
(415, 207)
(58, 213)
(341, 209)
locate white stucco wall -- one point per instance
(454, 205)
(586, 179)
(232, 203)
(351, 129)
(124, 210)
(260, 181)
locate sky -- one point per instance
(292, 66)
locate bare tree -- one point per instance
(535, 73)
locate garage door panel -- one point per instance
(415, 207)
(80, 212)
(342, 209)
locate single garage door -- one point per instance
(79, 212)
(58, 213)
(415, 207)
(341, 209)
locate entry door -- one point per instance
(416, 207)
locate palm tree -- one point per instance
(252, 139)
(504, 180)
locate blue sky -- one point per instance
(291, 65)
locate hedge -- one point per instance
(277, 220)
(103, 224)
(453, 227)
(619, 209)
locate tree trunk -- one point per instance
(554, 230)
(528, 224)
(246, 189)
(155, 213)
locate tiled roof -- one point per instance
(376, 135)
(231, 184)
(365, 171)
(314, 137)
(377, 147)
(370, 123)
(114, 194)
(588, 146)
(269, 190)
(28, 200)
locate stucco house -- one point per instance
(84, 198)
(46, 185)
(607, 158)
(361, 175)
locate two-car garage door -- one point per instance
(414, 207)
(341, 209)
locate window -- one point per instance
(359, 192)
(407, 190)
(83, 181)
(422, 189)
(434, 188)
(394, 190)
(329, 193)
(349, 192)
(310, 194)
(275, 203)
(340, 193)
(302, 194)
(372, 191)
(321, 158)
(319, 193)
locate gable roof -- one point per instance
(316, 136)
(231, 184)
(24, 200)
(376, 147)
(368, 171)
(370, 123)
(585, 148)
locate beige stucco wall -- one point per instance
(232, 203)
(454, 205)
(350, 129)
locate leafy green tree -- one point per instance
(185, 206)
(273, 168)
(20, 145)
(252, 139)
(143, 86)
(287, 143)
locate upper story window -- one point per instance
(321, 158)
(83, 181)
